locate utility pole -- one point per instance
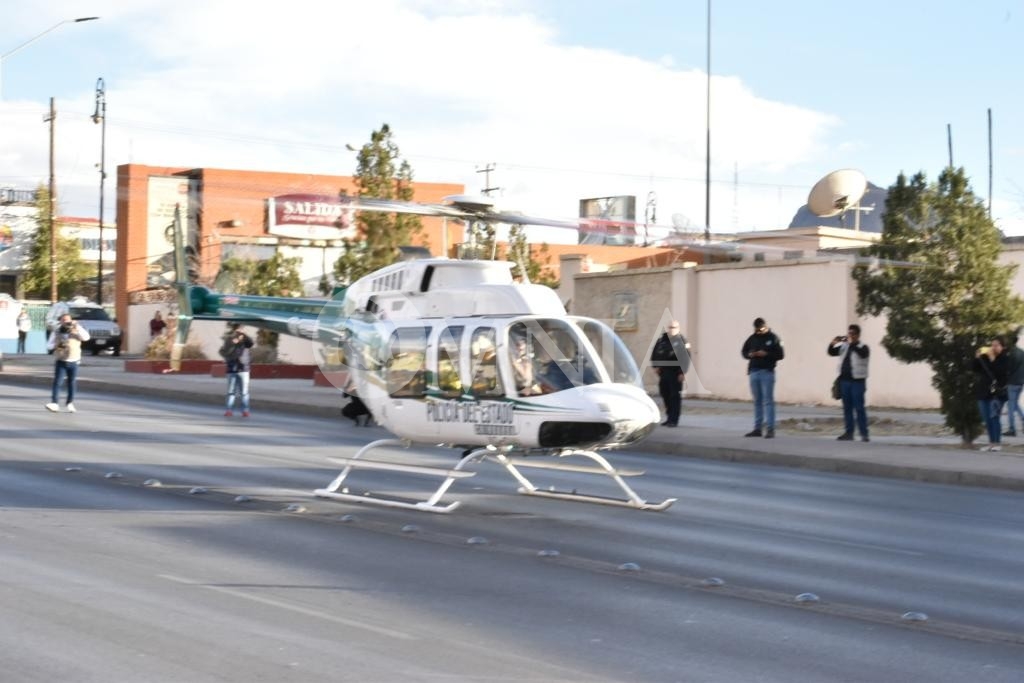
(52, 118)
(100, 116)
(707, 148)
(486, 170)
(949, 142)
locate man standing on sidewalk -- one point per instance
(853, 376)
(66, 343)
(237, 355)
(763, 350)
(671, 359)
(1014, 385)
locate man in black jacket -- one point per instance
(763, 350)
(671, 359)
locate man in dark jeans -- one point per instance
(671, 359)
(1014, 385)
(853, 376)
(763, 350)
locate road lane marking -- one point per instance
(391, 633)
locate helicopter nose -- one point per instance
(628, 409)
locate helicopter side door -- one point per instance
(404, 371)
(468, 407)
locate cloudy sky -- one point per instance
(566, 98)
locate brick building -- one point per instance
(239, 212)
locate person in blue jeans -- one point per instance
(853, 378)
(237, 356)
(763, 349)
(990, 372)
(1014, 385)
(66, 344)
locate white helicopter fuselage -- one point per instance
(443, 350)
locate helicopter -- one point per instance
(455, 353)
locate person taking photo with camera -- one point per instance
(66, 343)
(853, 380)
(236, 354)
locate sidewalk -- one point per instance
(904, 444)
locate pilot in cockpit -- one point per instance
(522, 367)
(551, 365)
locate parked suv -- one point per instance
(104, 333)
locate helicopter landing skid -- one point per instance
(603, 467)
(336, 491)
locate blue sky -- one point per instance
(569, 99)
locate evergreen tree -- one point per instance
(519, 253)
(483, 236)
(940, 285)
(381, 174)
(71, 270)
(275, 276)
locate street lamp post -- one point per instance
(34, 39)
(100, 117)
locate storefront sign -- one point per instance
(309, 216)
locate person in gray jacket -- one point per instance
(853, 378)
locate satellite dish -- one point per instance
(680, 223)
(837, 192)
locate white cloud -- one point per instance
(204, 84)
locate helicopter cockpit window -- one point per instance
(449, 383)
(614, 353)
(405, 368)
(522, 361)
(560, 359)
(484, 363)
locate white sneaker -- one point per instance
(52, 407)
(71, 407)
(995, 447)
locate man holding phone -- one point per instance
(763, 350)
(853, 375)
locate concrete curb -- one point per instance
(86, 385)
(840, 465)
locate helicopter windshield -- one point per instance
(615, 356)
(548, 355)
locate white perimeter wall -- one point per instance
(806, 302)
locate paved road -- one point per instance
(905, 444)
(129, 556)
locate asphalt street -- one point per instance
(905, 444)
(148, 538)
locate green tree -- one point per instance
(71, 270)
(519, 253)
(381, 174)
(483, 236)
(938, 281)
(275, 276)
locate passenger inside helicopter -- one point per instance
(449, 383)
(484, 363)
(559, 361)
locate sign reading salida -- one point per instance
(309, 216)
